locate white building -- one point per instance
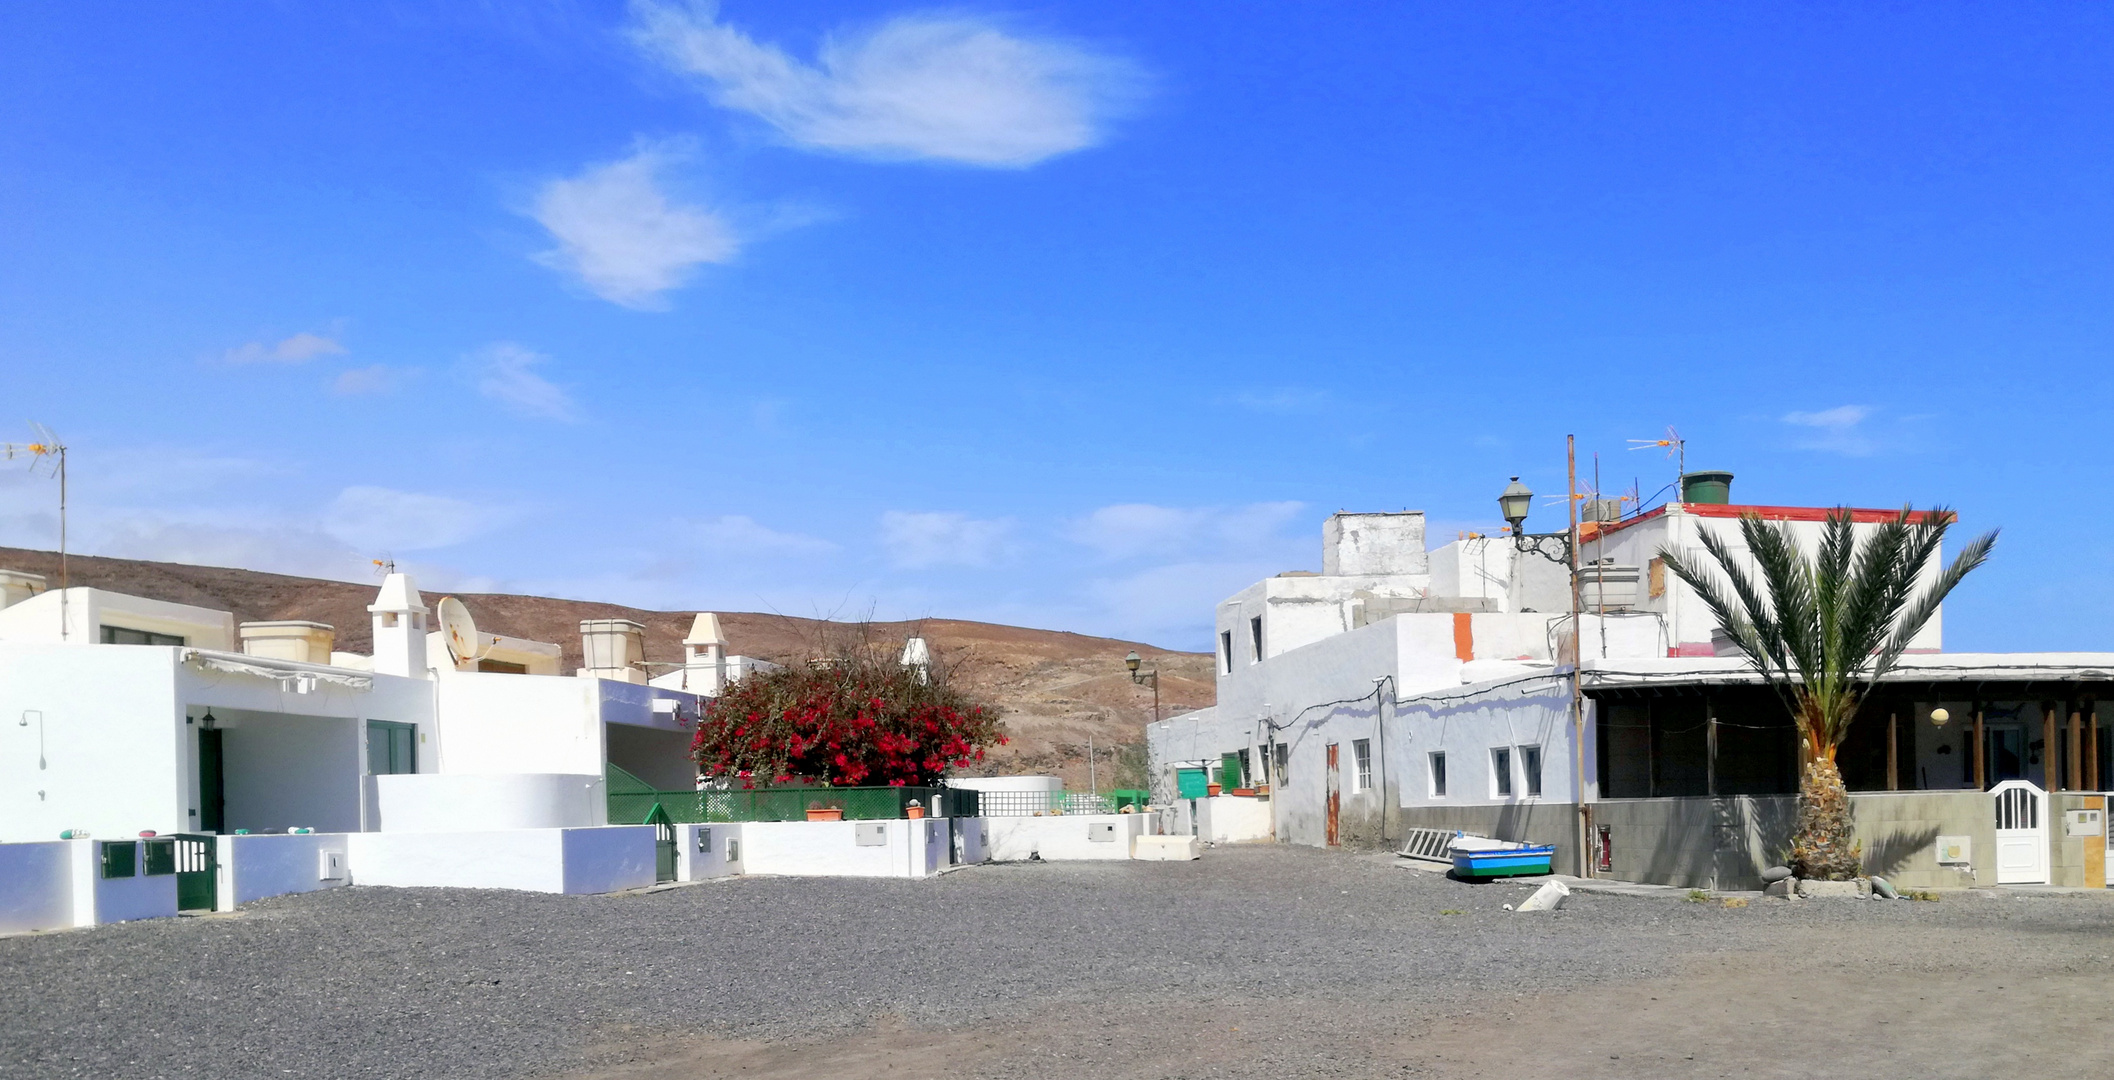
(120, 714)
(1399, 689)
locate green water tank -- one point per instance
(1706, 487)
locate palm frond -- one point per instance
(1918, 613)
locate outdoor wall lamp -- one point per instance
(1513, 503)
(1151, 675)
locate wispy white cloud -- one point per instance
(1129, 530)
(625, 239)
(299, 348)
(505, 373)
(370, 380)
(378, 519)
(1839, 430)
(739, 534)
(943, 87)
(918, 540)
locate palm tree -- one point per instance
(1821, 631)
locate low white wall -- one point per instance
(1060, 836)
(971, 840)
(608, 859)
(602, 859)
(254, 867)
(531, 859)
(1050, 784)
(830, 849)
(98, 900)
(455, 802)
(717, 855)
(36, 885)
(1234, 819)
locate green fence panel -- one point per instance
(631, 800)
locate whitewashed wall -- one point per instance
(720, 857)
(1061, 837)
(1467, 724)
(254, 867)
(91, 737)
(36, 885)
(98, 900)
(452, 802)
(830, 849)
(608, 859)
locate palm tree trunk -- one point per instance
(1825, 844)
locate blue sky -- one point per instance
(1073, 315)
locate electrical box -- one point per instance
(330, 866)
(1103, 833)
(704, 841)
(1956, 851)
(872, 833)
(2084, 823)
(733, 849)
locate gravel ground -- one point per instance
(1346, 952)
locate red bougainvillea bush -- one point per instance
(849, 721)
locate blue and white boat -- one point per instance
(1482, 857)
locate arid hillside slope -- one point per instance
(1058, 689)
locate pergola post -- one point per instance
(1981, 747)
(2074, 745)
(2050, 775)
(1893, 753)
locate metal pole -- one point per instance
(64, 630)
(1093, 786)
(1577, 649)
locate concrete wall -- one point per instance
(1235, 819)
(502, 723)
(830, 849)
(91, 737)
(254, 867)
(708, 851)
(98, 900)
(608, 859)
(36, 885)
(452, 802)
(86, 611)
(1061, 837)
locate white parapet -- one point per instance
(1063, 837)
(889, 848)
(595, 860)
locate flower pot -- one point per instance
(1212, 790)
(914, 811)
(821, 814)
(1243, 792)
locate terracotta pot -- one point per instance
(1244, 792)
(914, 811)
(1212, 790)
(820, 814)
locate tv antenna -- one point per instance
(48, 452)
(1675, 446)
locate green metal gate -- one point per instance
(191, 858)
(663, 843)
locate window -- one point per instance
(1362, 758)
(391, 748)
(1501, 772)
(1530, 769)
(1284, 758)
(1247, 771)
(1225, 650)
(118, 635)
(1438, 776)
(1255, 636)
(503, 667)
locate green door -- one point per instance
(197, 873)
(212, 787)
(664, 843)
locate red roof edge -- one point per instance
(1860, 516)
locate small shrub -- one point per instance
(1921, 894)
(1735, 901)
(1698, 896)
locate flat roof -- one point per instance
(1916, 668)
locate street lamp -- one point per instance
(1513, 503)
(1140, 678)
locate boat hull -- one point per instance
(1513, 862)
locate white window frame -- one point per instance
(1225, 641)
(1361, 765)
(1531, 780)
(1435, 773)
(1501, 785)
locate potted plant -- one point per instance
(817, 810)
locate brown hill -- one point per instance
(1059, 689)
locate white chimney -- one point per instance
(705, 656)
(399, 628)
(613, 649)
(17, 586)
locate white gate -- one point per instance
(2022, 833)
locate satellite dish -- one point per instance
(459, 630)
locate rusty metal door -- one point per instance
(1335, 795)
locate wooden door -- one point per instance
(1335, 791)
